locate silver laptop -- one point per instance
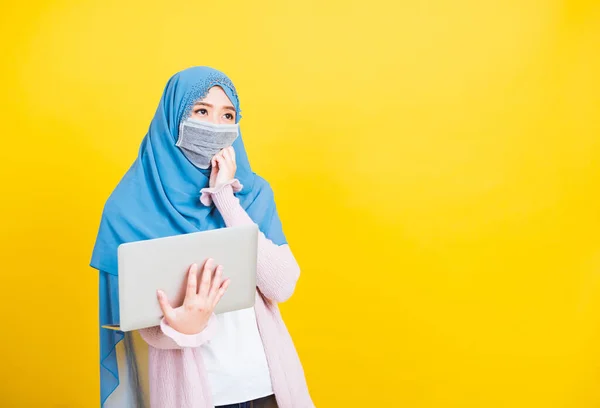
(163, 263)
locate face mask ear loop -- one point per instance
(180, 135)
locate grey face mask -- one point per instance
(200, 141)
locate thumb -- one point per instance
(165, 306)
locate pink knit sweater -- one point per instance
(178, 378)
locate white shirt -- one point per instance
(235, 359)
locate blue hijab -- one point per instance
(159, 197)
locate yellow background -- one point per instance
(436, 166)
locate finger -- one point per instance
(213, 172)
(216, 284)
(206, 278)
(231, 154)
(165, 306)
(221, 292)
(221, 162)
(192, 283)
(227, 154)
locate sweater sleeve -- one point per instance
(277, 270)
(167, 338)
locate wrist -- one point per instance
(226, 188)
(190, 340)
(221, 184)
(191, 331)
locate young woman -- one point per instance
(192, 174)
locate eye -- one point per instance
(201, 111)
(229, 116)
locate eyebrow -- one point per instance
(228, 107)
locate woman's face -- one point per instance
(214, 108)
